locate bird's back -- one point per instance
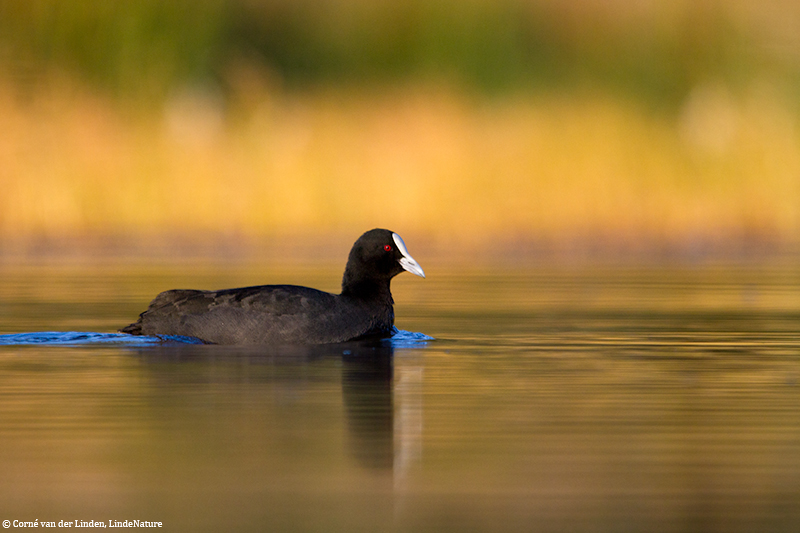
(266, 314)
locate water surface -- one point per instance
(552, 399)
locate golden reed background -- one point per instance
(427, 156)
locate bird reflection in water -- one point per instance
(368, 402)
(382, 407)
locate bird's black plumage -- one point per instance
(289, 314)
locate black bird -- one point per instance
(289, 314)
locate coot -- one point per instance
(288, 314)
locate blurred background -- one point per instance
(651, 128)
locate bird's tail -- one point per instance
(133, 329)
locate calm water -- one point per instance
(552, 399)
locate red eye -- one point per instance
(388, 248)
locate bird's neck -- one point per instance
(367, 289)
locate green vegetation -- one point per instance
(656, 51)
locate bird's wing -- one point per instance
(267, 312)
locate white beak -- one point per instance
(407, 262)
